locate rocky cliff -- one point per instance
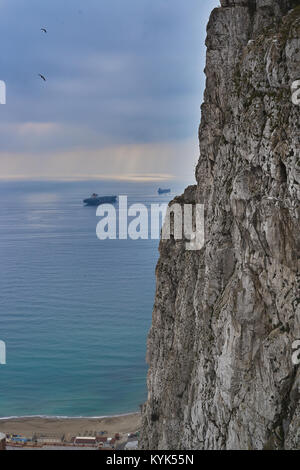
(221, 374)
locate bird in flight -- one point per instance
(44, 30)
(42, 77)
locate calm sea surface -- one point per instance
(74, 311)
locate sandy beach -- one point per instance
(73, 426)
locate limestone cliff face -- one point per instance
(220, 348)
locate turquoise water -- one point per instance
(74, 311)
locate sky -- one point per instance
(124, 85)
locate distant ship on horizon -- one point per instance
(96, 200)
(163, 191)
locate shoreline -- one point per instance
(12, 418)
(57, 426)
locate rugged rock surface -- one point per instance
(224, 320)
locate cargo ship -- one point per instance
(163, 191)
(96, 200)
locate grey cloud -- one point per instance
(117, 71)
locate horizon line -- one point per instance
(129, 177)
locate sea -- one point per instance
(75, 311)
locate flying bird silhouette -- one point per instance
(44, 30)
(42, 77)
